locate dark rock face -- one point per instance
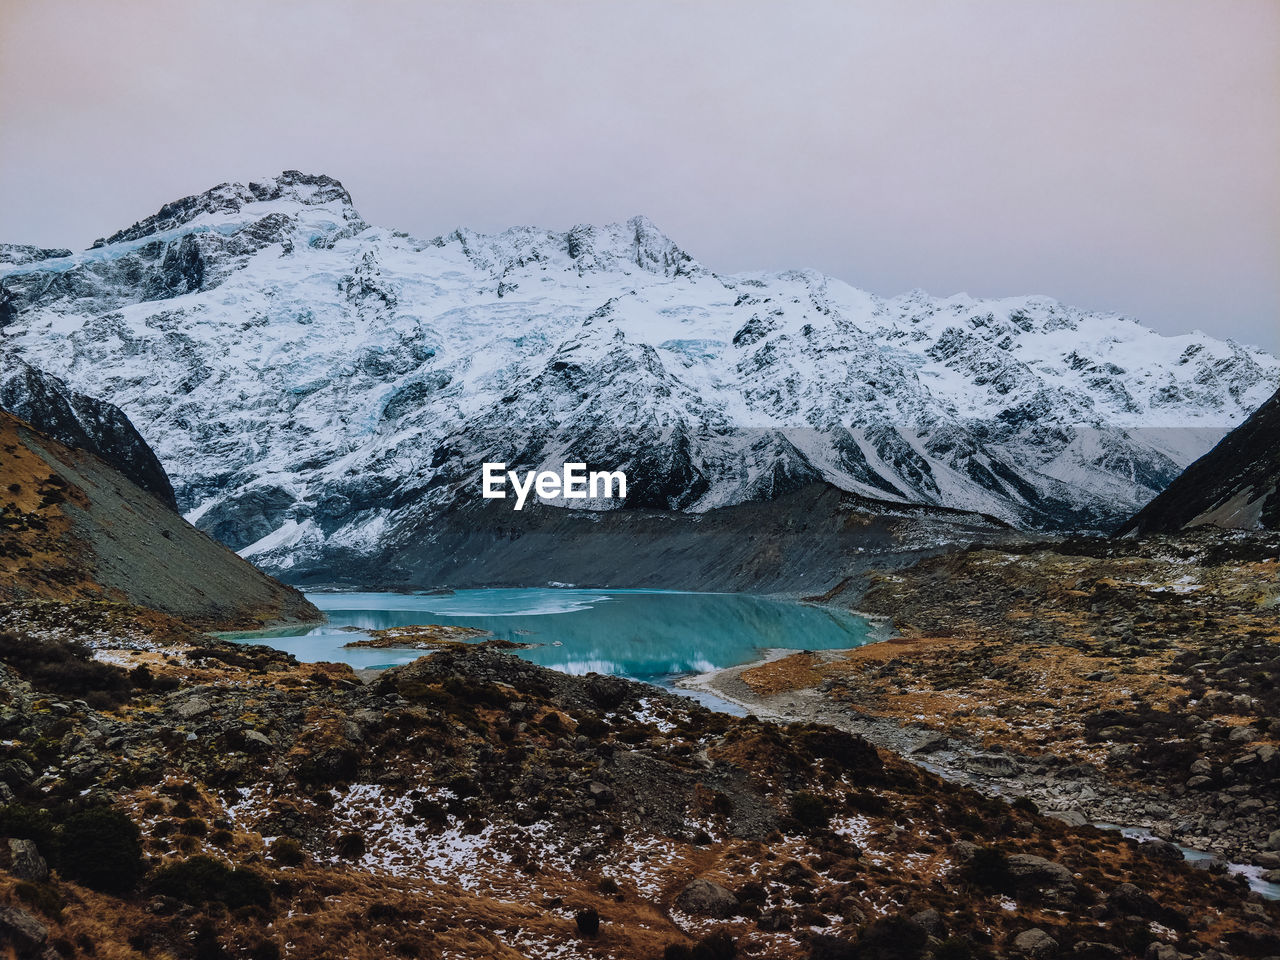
(230, 198)
(81, 423)
(244, 519)
(20, 254)
(805, 540)
(1233, 485)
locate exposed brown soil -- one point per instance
(72, 527)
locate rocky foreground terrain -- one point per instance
(1121, 681)
(163, 794)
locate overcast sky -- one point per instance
(1117, 154)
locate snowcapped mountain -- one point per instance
(319, 386)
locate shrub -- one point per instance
(101, 849)
(202, 879)
(1026, 805)
(715, 946)
(892, 938)
(954, 948)
(588, 922)
(848, 751)
(593, 727)
(287, 851)
(21, 822)
(989, 869)
(824, 947)
(193, 827)
(350, 846)
(65, 668)
(810, 809)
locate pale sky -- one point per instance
(1117, 154)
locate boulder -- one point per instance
(931, 921)
(25, 861)
(962, 851)
(192, 707)
(1053, 882)
(254, 740)
(992, 765)
(1129, 900)
(1163, 850)
(601, 793)
(22, 930)
(1071, 817)
(1035, 943)
(1095, 950)
(706, 898)
(774, 919)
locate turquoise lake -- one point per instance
(650, 635)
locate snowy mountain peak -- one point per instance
(231, 198)
(619, 248)
(21, 254)
(318, 387)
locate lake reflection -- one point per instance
(647, 635)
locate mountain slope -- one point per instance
(71, 526)
(82, 423)
(1233, 485)
(317, 386)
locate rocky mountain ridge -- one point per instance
(74, 527)
(82, 423)
(1233, 485)
(318, 386)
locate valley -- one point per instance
(1056, 526)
